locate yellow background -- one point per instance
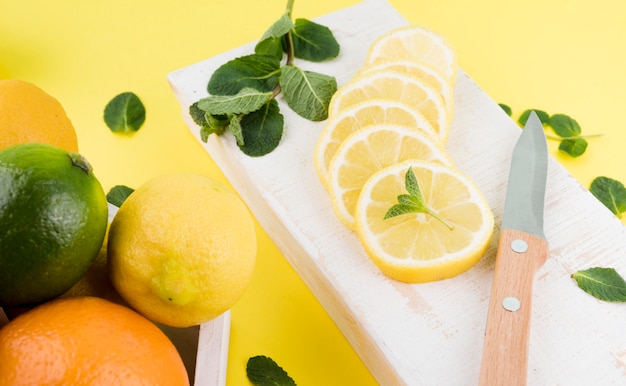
(565, 56)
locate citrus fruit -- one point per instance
(390, 84)
(29, 114)
(182, 249)
(422, 71)
(417, 247)
(53, 218)
(415, 44)
(370, 112)
(87, 341)
(368, 150)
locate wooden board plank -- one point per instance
(428, 333)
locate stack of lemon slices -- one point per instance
(392, 116)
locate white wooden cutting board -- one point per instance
(428, 334)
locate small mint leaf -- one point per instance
(506, 109)
(272, 46)
(564, 126)
(575, 147)
(125, 113)
(602, 283)
(542, 115)
(197, 115)
(264, 371)
(255, 71)
(397, 210)
(611, 193)
(118, 194)
(262, 130)
(280, 27)
(245, 101)
(234, 127)
(410, 182)
(307, 93)
(313, 42)
(409, 201)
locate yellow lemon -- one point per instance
(182, 249)
(417, 247)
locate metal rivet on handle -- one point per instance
(511, 303)
(519, 246)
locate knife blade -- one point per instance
(522, 250)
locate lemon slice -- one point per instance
(416, 44)
(417, 247)
(422, 71)
(370, 112)
(389, 84)
(369, 150)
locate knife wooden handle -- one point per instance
(505, 351)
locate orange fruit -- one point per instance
(87, 341)
(29, 114)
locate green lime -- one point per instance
(53, 219)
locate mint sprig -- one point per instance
(414, 202)
(602, 283)
(263, 371)
(243, 91)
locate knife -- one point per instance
(522, 250)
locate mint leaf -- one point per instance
(507, 109)
(280, 28)
(262, 130)
(313, 42)
(611, 193)
(263, 371)
(245, 101)
(235, 129)
(118, 194)
(273, 46)
(564, 126)
(255, 71)
(575, 147)
(602, 283)
(542, 115)
(307, 93)
(198, 115)
(125, 113)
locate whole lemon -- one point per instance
(182, 249)
(29, 114)
(53, 219)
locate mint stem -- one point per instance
(289, 40)
(573, 137)
(289, 8)
(440, 218)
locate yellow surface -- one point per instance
(560, 56)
